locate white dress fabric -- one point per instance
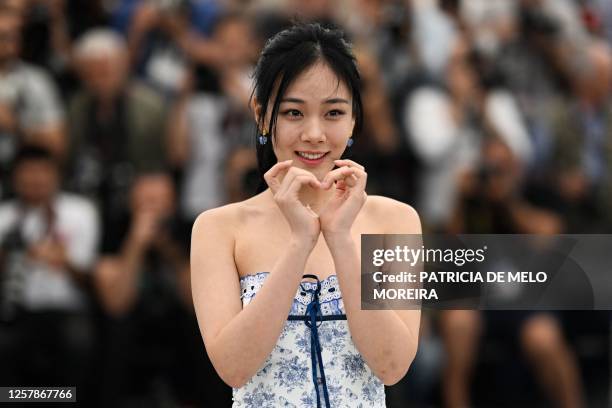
(286, 377)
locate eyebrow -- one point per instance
(328, 101)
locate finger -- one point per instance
(355, 178)
(298, 182)
(336, 175)
(351, 180)
(359, 179)
(349, 163)
(341, 185)
(272, 176)
(292, 174)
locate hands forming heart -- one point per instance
(337, 214)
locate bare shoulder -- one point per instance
(395, 216)
(215, 218)
(227, 218)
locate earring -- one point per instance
(349, 142)
(263, 139)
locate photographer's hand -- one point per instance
(51, 252)
(8, 121)
(170, 249)
(116, 277)
(144, 229)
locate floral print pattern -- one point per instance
(285, 379)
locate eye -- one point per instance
(335, 113)
(292, 113)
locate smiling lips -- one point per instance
(311, 155)
(311, 158)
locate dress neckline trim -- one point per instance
(242, 278)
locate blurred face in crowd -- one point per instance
(19, 7)
(313, 9)
(594, 82)
(36, 181)
(499, 171)
(461, 78)
(236, 37)
(104, 74)
(153, 193)
(10, 37)
(315, 120)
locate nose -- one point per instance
(313, 132)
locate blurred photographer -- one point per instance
(492, 203)
(211, 122)
(581, 162)
(152, 355)
(165, 35)
(48, 243)
(492, 199)
(148, 234)
(30, 108)
(117, 124)
(446, 124)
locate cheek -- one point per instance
(339, 132)
(287, 133)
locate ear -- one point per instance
(256, 108)
(352, 125)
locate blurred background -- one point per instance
(121, 120)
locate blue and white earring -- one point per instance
(349, 142)
(263, 139)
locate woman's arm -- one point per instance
(237, 340)
(387, 339)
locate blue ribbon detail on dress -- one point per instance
(312, 311)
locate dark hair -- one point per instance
(33, 153)
(284, 57)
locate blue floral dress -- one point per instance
(315, 362)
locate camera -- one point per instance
(487, 172)
(536, 22)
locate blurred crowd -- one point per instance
(122, 120)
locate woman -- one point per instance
(256, 262)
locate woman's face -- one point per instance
(315, 120)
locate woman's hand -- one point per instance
(303, 221)
(339, 213)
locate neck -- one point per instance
(6, 65)
(34, 203)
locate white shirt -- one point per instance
(31, 92)
(203, 184)
(42, 287)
